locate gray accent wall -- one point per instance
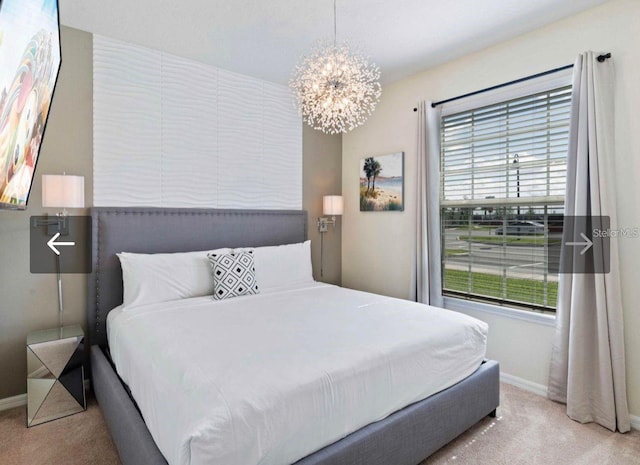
(322, 175)
(28, 302)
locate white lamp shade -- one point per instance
(332, 205)
(62, 191)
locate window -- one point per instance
(503, 176)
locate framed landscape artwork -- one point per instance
(382, 183)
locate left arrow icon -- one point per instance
(52, 243)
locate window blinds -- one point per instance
(512, 152)
(503, 176)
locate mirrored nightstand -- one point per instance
(55, 374)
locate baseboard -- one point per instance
(524, 384)
(541, 390)
(530, 386)
(13, 402)
(21, 399)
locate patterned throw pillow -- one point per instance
(234, 274)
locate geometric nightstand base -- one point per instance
(55, 380)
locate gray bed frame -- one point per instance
(406, 437)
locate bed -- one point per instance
(405, 436)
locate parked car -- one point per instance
(521, 228)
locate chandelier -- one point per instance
(336, 88)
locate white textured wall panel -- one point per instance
(127, 133)
(240, 140)
(189, 133)
(172, 132)
(278, 138)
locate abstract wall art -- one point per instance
(29, 63)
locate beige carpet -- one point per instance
(529, 430)
(75, 440)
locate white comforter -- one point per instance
(271, 378)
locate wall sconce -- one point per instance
(60, 191)
(331, 205)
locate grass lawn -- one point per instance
(449, 252)
(511, 240)
(518, 289)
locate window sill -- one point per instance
(452, 303)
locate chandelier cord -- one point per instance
(335, 27)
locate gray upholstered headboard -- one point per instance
(158, 230)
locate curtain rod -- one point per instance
(600, 58)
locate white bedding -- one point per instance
(271, 378)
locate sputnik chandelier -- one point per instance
(336, 89)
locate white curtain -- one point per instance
(588, 361)
(428, 282)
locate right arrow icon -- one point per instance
(587, 243)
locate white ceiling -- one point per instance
(266, 38)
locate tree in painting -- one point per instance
(368, 170)
(376, 169)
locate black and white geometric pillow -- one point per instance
(234, 274)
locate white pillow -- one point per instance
(283, 266)
(150, 278)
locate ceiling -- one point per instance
(266, 38)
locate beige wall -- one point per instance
(29, 301)
(322, 175)
(522, 348)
